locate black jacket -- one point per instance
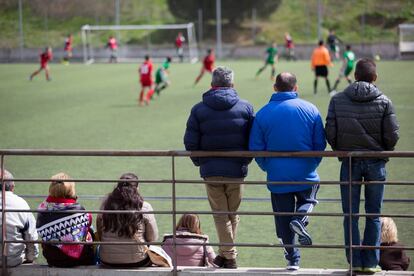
(221, 122)
(361, 118)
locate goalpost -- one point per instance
(406, 40)
(190, 52)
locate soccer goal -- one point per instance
(94, 51)
(406, 41)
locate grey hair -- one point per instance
(9, 182)
(222, 77)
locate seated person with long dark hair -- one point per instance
(191, 254)
(55, 225)
(126, 227)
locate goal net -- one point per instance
(406, 41)
(139, 44)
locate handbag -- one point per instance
(158, 256)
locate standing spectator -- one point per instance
(112, 44)
(362, 118)
(126, 227)
(179, 41)
(53, 224)
(392, 258)
(188, 230)
(221, 122)
(20, 226)
(288, 123)
(45, 57)
(320, 61)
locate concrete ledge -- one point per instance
(43, 270)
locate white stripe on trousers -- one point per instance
(312, 196)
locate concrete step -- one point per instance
(43, 270)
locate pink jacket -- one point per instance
(189, 255)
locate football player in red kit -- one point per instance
(147, 90)
(45, 57)
(179, 40)
(208, 65)
(67, 49)
(112, 44)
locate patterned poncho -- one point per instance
(56, 226)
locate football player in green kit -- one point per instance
(347, 67)
(161, 76)
(271, 58)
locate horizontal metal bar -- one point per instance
(182, 153)
(196, 181)
(331, 246)
(248, 213)
(197, 198)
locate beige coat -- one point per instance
(128, 254)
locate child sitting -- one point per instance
(391, 258)
(189, 231)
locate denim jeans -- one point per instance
(302, 201)
(367, 170)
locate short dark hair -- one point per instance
(320, 43)
(285, 82)
(348, 47)
(366, 70)
(147, 57)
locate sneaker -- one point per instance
(219, 261)
(230, 263)
(357, 269)
(292, 266)
(303, 236)
(372, 270)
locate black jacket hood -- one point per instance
(362, 91)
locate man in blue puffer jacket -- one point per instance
(221, 122)
(288, 123)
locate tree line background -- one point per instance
(245, 22)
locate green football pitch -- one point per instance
(95, 107)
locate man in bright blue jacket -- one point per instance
(288, 123)
(221, 122)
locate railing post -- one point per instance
(174, 218)
(3, 220)
(350, 214)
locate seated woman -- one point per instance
(126, 227)
(189, 231)
(392, 258)
(67, 227)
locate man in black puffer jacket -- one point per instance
(221, 122)
(361, 118)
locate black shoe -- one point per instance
(230, 263)
(219, 261)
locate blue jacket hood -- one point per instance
(221, 98)
(282, 96)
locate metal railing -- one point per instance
(174, 181)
